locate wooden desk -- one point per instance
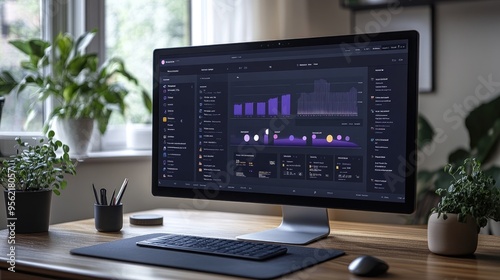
(403, 247)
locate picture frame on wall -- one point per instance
(397, 18)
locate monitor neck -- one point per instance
(300, 225)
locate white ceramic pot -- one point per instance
(76, 133)
(495, 227)
(451, 237)
(139, 136)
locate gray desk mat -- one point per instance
(295, 259)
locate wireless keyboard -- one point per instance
(215, 246)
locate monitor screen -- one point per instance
(324, 122)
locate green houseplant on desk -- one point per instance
(84, 91)
(30, 177)
(466, 206)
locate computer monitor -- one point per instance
(308, 124)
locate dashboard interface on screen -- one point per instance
(318, 118)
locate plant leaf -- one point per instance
(481, 120)
(147, 101)
(69, 92)
(488, 142)
(64, 44)
(425, 131)
(494, 172)
(29, 65)
(458, 156)
(76, 65)
(83, 41)
(38, 48)
(7, 83)
(21, 45)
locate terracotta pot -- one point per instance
(30, 212)
(451, 237)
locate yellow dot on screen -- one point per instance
(329, 138)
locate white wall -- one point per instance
(467, 49)
(467, 46)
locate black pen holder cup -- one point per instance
(108, 218)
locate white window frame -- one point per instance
(115, 138)
(95, 12)
(75, 17)
(57, 16)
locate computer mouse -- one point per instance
(368, 266)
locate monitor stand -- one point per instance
(300, 225)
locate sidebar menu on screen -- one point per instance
(212, 128)
(176, 130)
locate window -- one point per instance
(19, 19)
(130, 30)
(133, 29)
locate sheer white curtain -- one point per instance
(223, 21)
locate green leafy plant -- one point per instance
(81, 87)
(483, 127)
(38, 167)
(471, 193)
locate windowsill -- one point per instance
(112, 146)
(118, 155)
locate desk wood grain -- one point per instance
(403, 247)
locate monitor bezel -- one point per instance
(213, 193)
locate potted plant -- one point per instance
(30, 178)
(84, 91)
(483, 127)
(466, 205)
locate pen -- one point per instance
(95, 195)
(121, 191)
(104, 200)
(112, 201)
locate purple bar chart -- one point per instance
(323, 102)
(285, 105)
(249, 109)
(272, 105)
(261, 108)
(238, 109)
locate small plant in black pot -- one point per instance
(30, 177)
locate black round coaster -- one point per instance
(146, 220)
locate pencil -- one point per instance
(121, 191)
(95, 195)
(112, 201)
